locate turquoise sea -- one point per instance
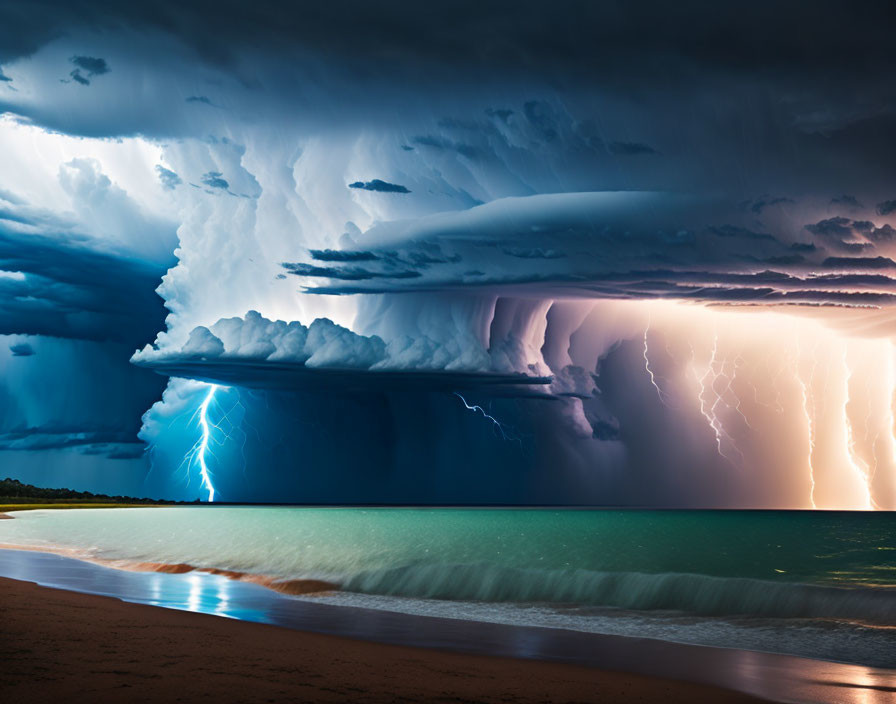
(817, 584)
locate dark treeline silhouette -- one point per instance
(14, 491)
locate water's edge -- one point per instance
(775, 677)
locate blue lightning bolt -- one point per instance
(197, 454)
(481, 410)
(203, 442)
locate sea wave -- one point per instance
(691, 593)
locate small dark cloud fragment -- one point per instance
(855, 247)
(170, 180)
(860, 262)
(881, 234)
(888, 207)
(93, 66)
(213, 179)
(4, 77)
(434, 255)
(199, 99)
(846, 201)
(90, 65)
(631, 148)
(837, 230)
(347, 273)
(21, 349)
(335, 255)
(379, 186)
(803, 247)
(407, 148)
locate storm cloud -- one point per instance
(559, 209)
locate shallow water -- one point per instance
(820, 585)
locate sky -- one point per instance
(621, 254)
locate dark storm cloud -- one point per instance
(21, 349)
(617, 245)
(580, 36)
(70, 290)
(563, 44)
(727, 97)
(843, 233)
(839, 233)
(379, 185)
(54, 438)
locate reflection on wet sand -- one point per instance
(774, 677)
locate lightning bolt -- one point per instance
(855, 460)
(891, 392)
(481, 410)
(707, 383)
(730, 390)
(197, 454)
(659, 391)
(810, 427)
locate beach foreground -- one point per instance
(65, 646)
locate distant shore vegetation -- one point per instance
(18, 496)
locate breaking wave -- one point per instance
(692, 593)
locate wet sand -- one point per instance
(64, 646)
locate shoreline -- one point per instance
(102, 648)
(768, 676)
(292, 587)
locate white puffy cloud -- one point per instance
(254, 337)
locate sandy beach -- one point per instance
(65, 646)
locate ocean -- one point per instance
(813, 584)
